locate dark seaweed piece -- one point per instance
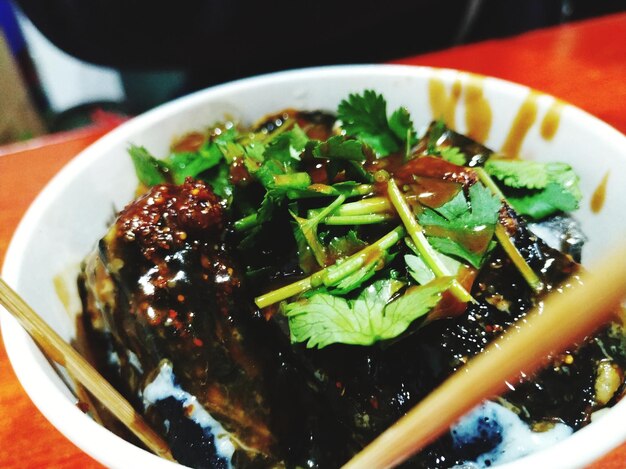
(190, 445)
(163, 286)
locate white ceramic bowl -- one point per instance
(71, 214)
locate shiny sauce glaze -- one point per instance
(599, 194)
(478, 114)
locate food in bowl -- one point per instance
(279, 295)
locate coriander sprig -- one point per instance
(333, 274)
(418, 237)
(532, 279)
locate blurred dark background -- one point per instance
(166, 49)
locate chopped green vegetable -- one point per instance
(287, 146)
(226, 142)
(324, 319)
(537, 189)
(540, 204)
(150, 171)
(458, 250)
(453, 155)
(434, 135)
(418, 269)
(331, 275)
(218, 178)
(192, 164)
(308, 230)
(347, 189)
(372, 219)
(292, 181)
(519, 174)
(416, 233)
(272, 200)
(505, 241)
(365, 117)
(344, 246)
(362, 275)
(463, 228)
(281, 156)
(338, 147)
(401, 125)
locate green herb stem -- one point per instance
(293, 180)
(505, 240)
(337, 272)
(326, 211)
(246, 223)
(416, 233)
(332, 274)
(369, 206)
(371, 219)
(285, 292)
(323, 190)
(488, 182)
(308, 227)
(522, 266)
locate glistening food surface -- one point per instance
(312, 280)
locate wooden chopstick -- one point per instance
(62, 353)
(564, 319)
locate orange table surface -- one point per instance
(583, 63)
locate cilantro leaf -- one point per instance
(226, 141)
(219, 180)
(347, 188)
(307, 230)
(458, 250)
(519, 174)
(344, 246)
(287, 146)
(337, 147)
(367, 271)
(401, 125)
(453, 155)
(421, 273)
(150, 171)
(540, 204)
(565, 176)
(191, 164)
(436, 131)
(324, 319)
(272, 200)
(537, 189)
(462, 229)
(282, 156)
(365, 117)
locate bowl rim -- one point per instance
(581, 448)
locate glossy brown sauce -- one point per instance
(475, 241)
(599, 195)
(190, 142)
(478, 114)
(438, 97)
(61, 290)
(433, 192)
(443, 104)
(552, 119)
(525, 118)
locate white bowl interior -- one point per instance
(72, 213)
